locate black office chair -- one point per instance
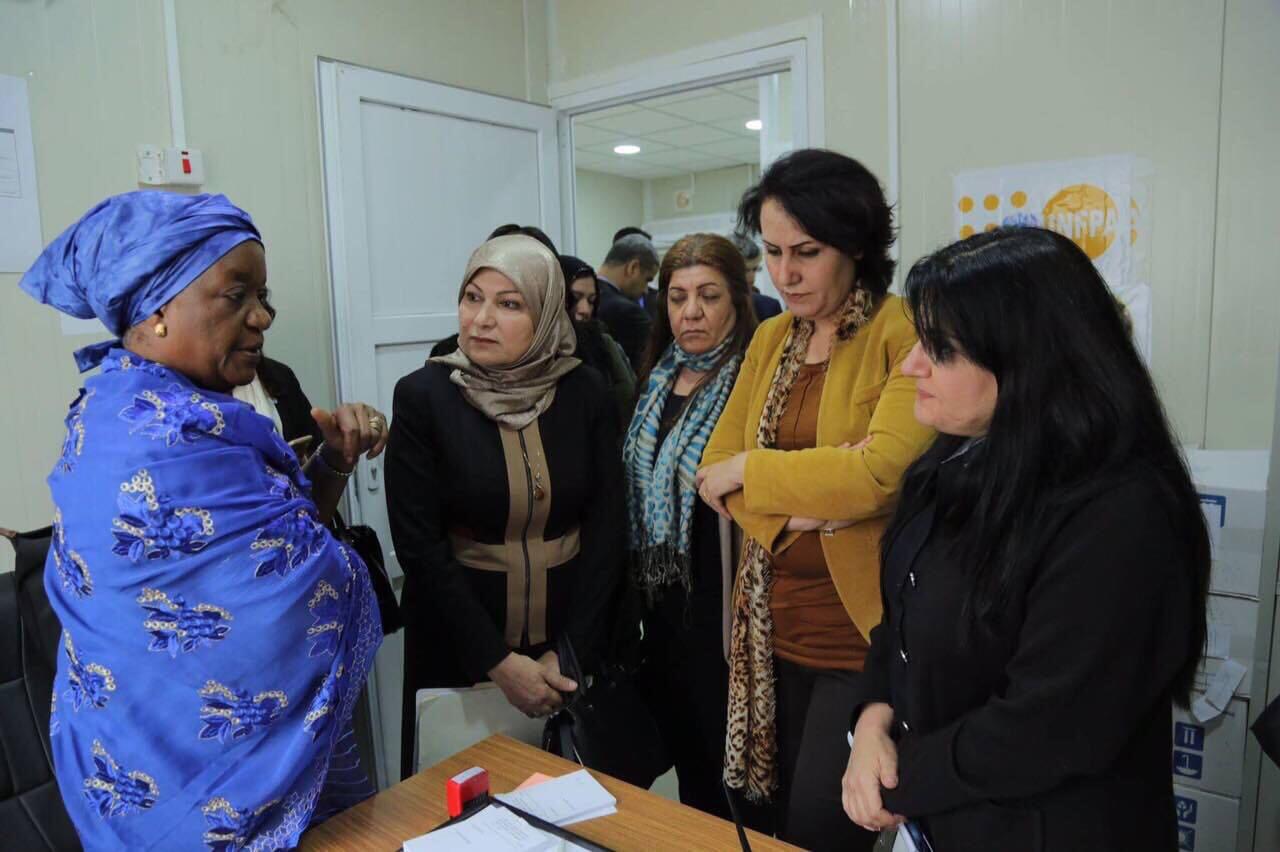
(31, 810)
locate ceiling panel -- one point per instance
(678, 97)
(694, 130)
(686, 161)
(647, 146)
(714, 107)
(585, 134)
(689, 134)
(736, 127)
(639, 122)
(736, 148)
(611, 112)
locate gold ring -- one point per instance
(376, 423)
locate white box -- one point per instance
(1233, 495)
(1207, 822)
(1210, 756)
(1240, 617)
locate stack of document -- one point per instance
(563, 801)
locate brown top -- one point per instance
(810, 624)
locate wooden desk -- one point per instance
(644, 821)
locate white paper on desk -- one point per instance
(1222, 685)
(565, 800)
(490, 830)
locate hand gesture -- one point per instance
(348, 431)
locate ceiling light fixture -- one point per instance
(755, 124)
(626, 150)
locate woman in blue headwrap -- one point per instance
(215, 635)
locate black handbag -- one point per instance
(606, 724)
(364, 541)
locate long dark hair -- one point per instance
(837, 201)
(721, 255)
(1075, 409)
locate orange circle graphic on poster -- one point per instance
(1085, 214)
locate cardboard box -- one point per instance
(1210, 756)
(1207, 822)
(1233, 496)
(1239, 618)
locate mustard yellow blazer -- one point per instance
(864, 393)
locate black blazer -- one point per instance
(280, 383)
(446, 472)
(1052, 733)
(628, 323)
(650, 303)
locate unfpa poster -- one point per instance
(1102, 203)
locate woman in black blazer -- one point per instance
(504, 492)
(1044, 576)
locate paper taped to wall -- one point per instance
(1222, 685)
(20, 240)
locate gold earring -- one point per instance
(161, 329)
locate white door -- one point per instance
(417, 174)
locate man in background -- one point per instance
(626, 304)
(765, 306)
(632, 229)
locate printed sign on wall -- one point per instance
(1103, 204)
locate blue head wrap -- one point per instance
(130, 255)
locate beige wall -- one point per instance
(603, 204)
(714, 191)
(1136, 77)
(985, 84)
(1246, 272)
(97, 86)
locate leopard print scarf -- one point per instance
(751, 745)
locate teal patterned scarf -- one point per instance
(660, 480)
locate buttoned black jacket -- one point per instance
(1052, 732)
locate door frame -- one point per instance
(340, 87)
(794, 47)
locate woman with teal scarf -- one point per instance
(215, 635)
(704, 324)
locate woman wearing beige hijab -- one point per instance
(504, 490)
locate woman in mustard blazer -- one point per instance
(807, 458)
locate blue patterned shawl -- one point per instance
(215, 635)
(660, 485)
